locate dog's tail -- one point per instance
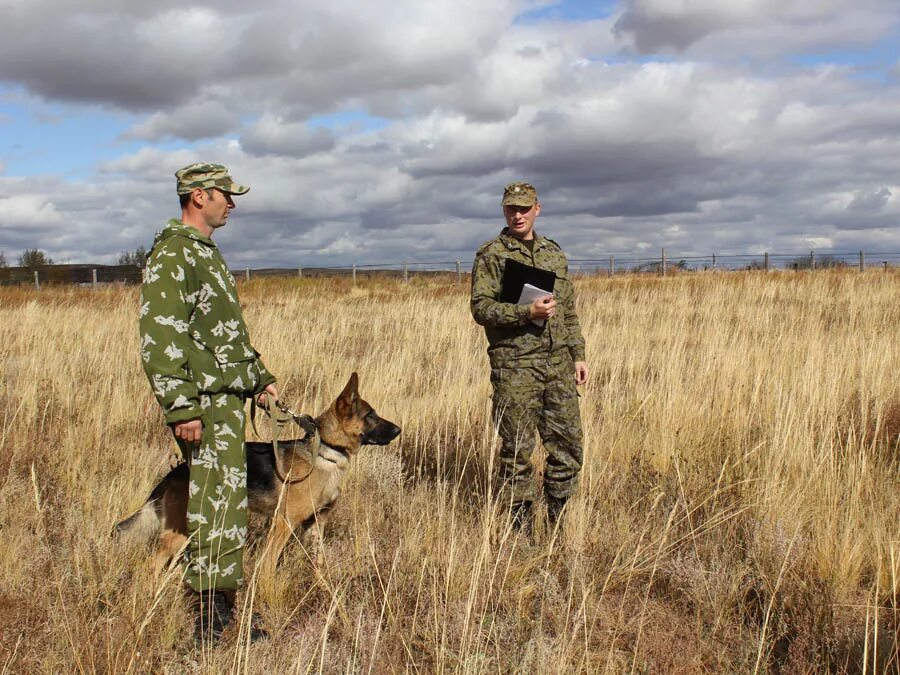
(142, 524)
(146, 522)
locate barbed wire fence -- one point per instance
(665, 262)
(79, 275)
(458, 270)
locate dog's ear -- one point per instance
(349, 396)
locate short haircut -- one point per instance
(185, 199)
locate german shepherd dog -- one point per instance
(292, 488)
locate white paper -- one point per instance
(530, 294)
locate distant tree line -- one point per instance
(137, 257)
(36, 259)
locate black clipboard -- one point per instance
(516, 275)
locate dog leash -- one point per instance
(278, 421)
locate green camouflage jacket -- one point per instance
(193, 336)
(512, 338)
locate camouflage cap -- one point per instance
(206, 176)
(519, 194)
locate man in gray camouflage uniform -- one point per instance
(534, 369)
(196, 352)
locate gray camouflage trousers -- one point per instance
(540, 397)
(217, 497)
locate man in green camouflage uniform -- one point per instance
(534, 368)
(197, 355)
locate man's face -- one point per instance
(216, 208)
(520, 220)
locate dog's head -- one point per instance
(351, 422)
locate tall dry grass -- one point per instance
(738, 510)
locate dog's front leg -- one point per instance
(312, 539)
(279, 534)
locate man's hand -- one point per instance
(189, 431)
(542, 308)
(581, 372)
(270, 390)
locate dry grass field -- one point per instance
(739, 510)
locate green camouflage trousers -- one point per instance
(538, 397)
(217, 497)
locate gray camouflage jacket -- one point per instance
(193, 336)
(512, 338)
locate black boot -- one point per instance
(213, 612)
(555, 506)
(257, 632)
(521, 516)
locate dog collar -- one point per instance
(343, 452)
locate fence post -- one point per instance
(94, 278)
(885, 266)
(354, 274)
(37, 280)
(812, 260)
(247, 274)
(664, 262)
(862, 261)
(405, 272)
(299, 271)
(458, 274)
(612, 266)
(766, 261)
(714, 261)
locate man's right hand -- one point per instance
(189, 431)
(542, 308)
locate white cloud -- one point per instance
(27, 211)
(150, 166)
(754, 27)
(872, 200)
(702, 150)
(206, 119)
(308, 55)
(273, 136)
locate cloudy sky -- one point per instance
(375, 132)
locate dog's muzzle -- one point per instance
(382, 434)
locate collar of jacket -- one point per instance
(176, 226)
(512, 243)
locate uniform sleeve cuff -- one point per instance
(524, 314)
(265, 381)
(183, 415)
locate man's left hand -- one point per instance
(270, 390)
(581, 372)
